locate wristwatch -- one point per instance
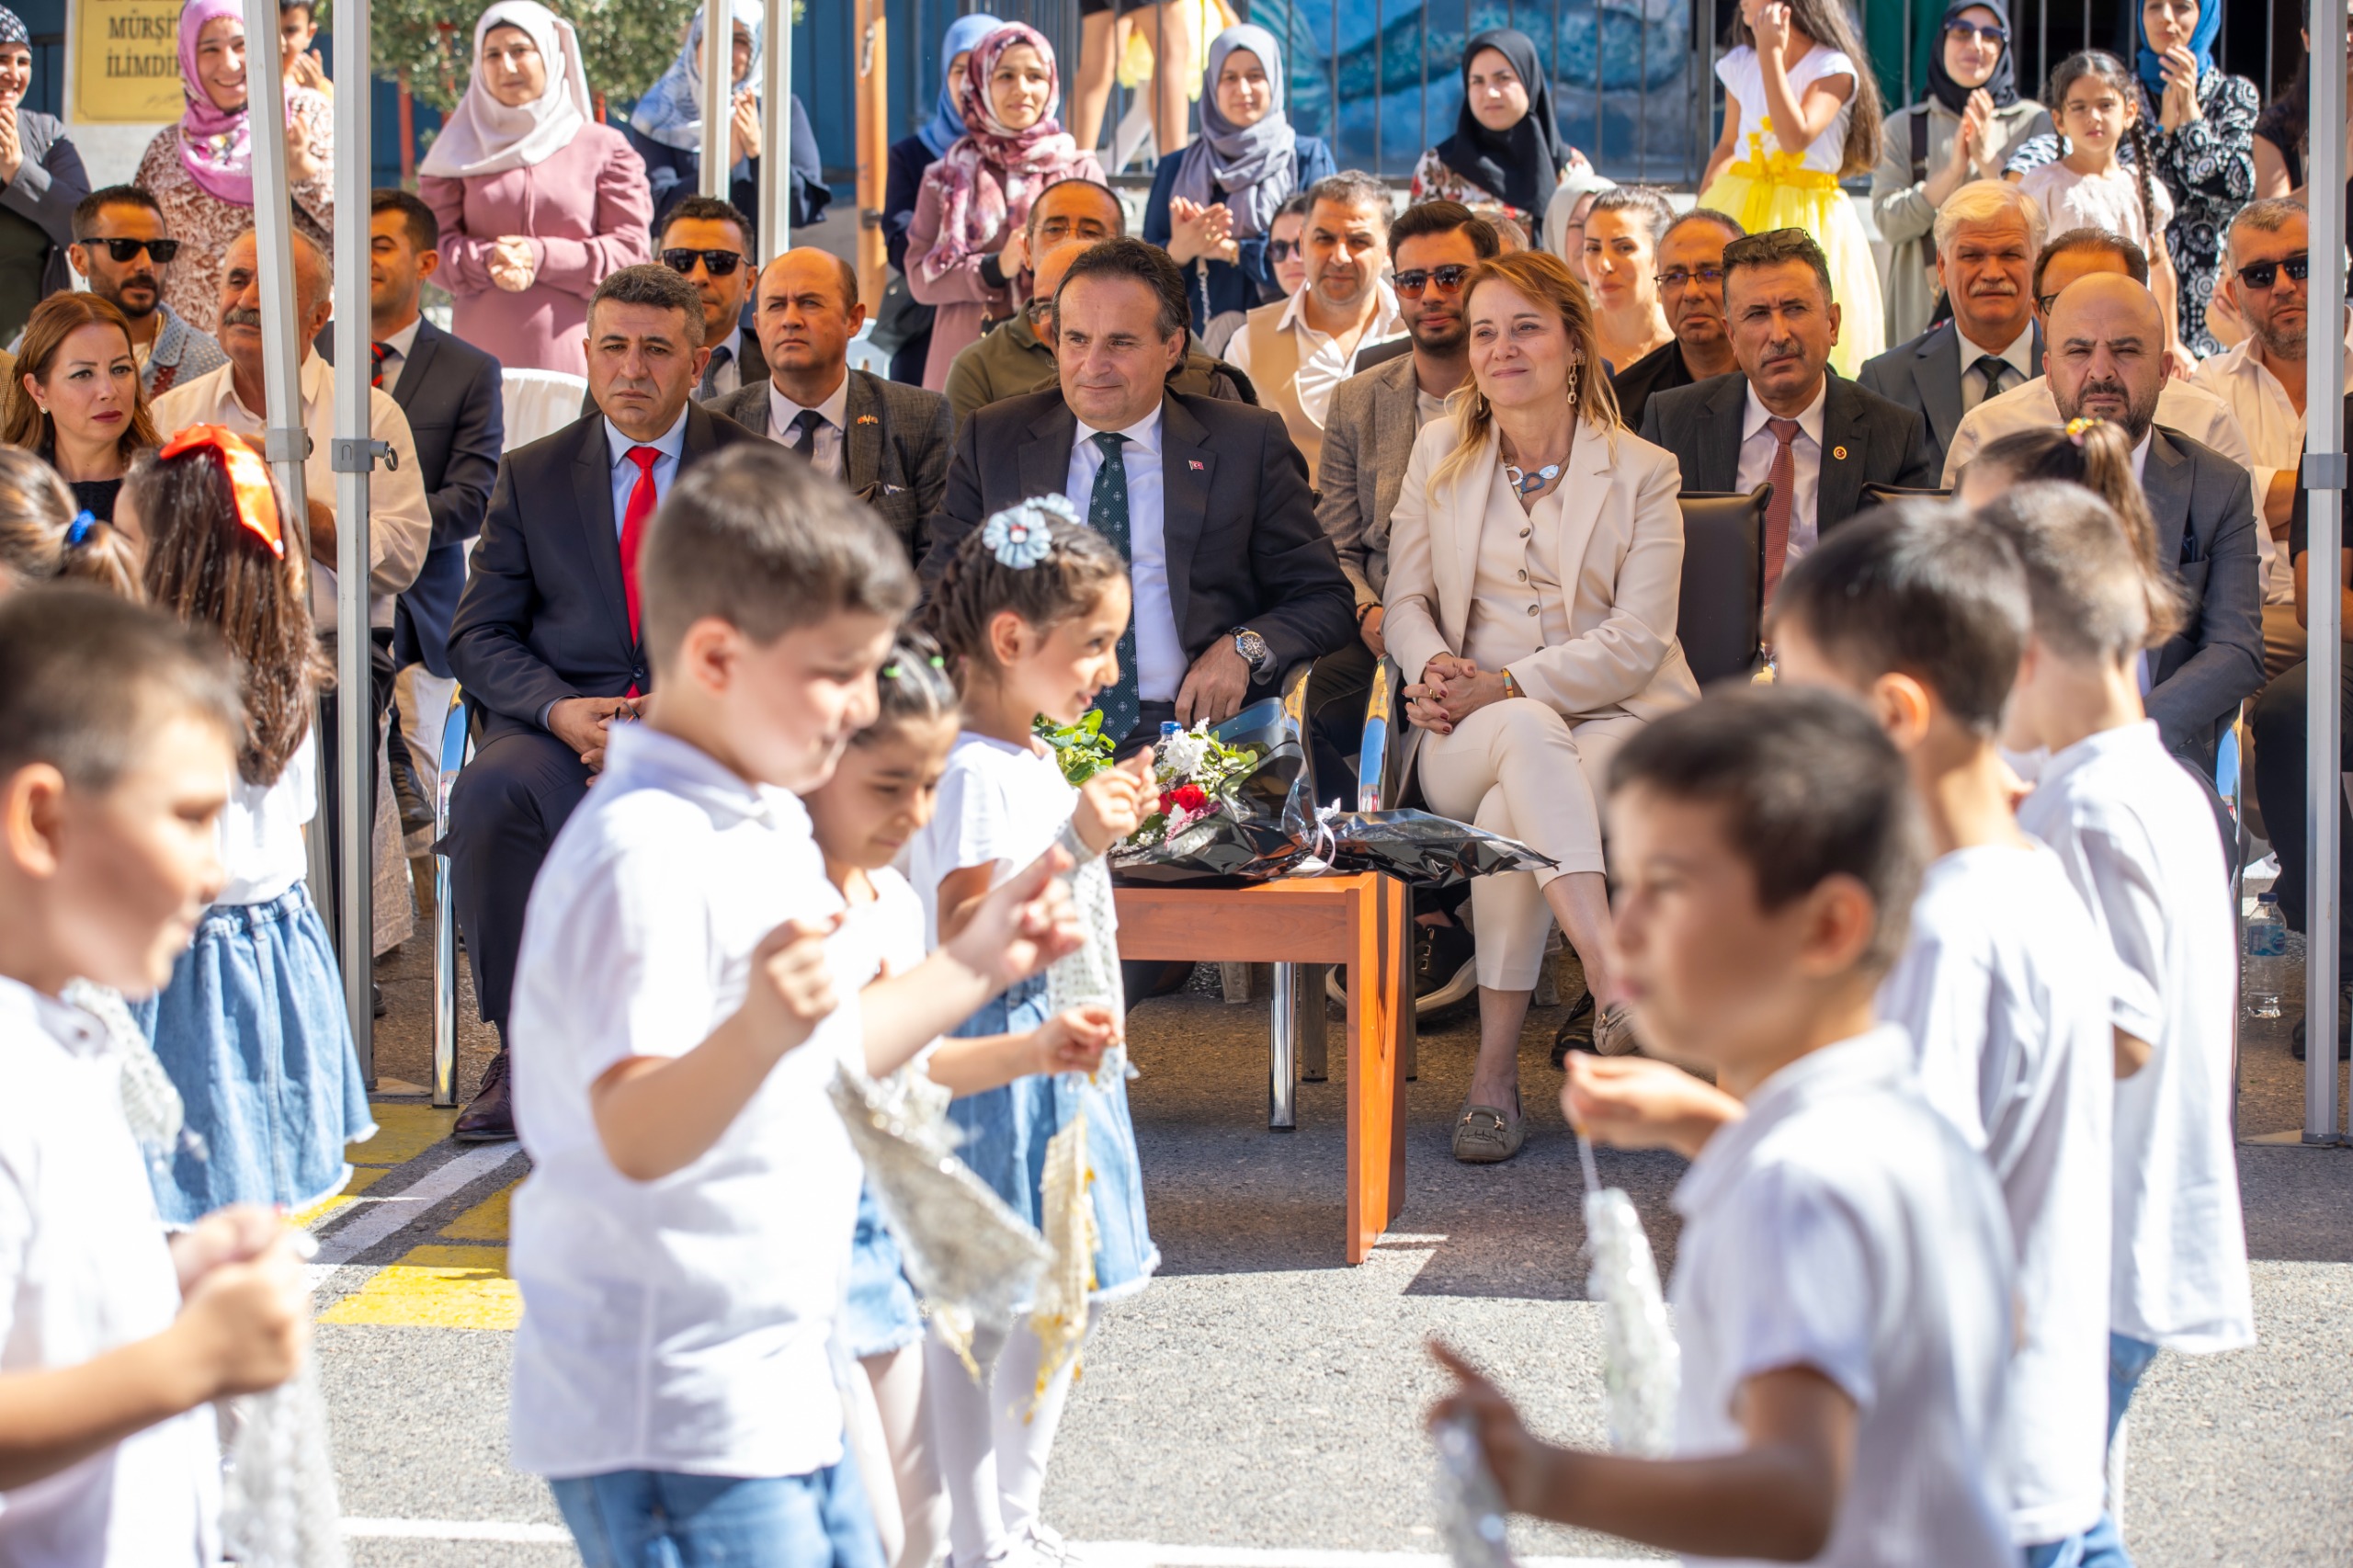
(1253, 649)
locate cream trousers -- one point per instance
(1520, 769)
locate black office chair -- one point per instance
(1878, 495)
(1720, 618)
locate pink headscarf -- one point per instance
(217, 145)
(972, 174)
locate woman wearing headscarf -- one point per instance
(1965, 126)
(41, 181)
(1506, 150)
(666, 127)
(538, 202)
(200, 171)
(966, 249)
(1212, 203)
(911, 158)
(2202, 131)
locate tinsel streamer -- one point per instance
(150, 1103)
(1090, 976)
(1471, 1516)
(279, 1508)
(1641, 1365)
(1058, 1315)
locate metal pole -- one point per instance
(354, 458)
(2324, 477)
(1907, 50)
(718, 94)
(776, 134)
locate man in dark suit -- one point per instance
(546, 636)
(708, 241)
(1692, 287)
(887, 442)
(2106, 361)
(1784, 418)
(1988, 234)
(449, 390)
(1234, 582)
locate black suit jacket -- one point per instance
(450, 389)
(543, 615)
(2206, 527)
(1661, 369)
(1925, 375)
(1239, 522)
(1883, 444)
(894, 451)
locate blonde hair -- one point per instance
(23, 422)
(1545, 280)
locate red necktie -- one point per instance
(376, 353)
(1783, 477)
(641, 512)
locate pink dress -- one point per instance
(586, 211)
(206, 226)
(965, 304)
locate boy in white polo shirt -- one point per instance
(682, 1239)
(118, 740)
(2125, 821)
(1922, 613)
(1842, 1283)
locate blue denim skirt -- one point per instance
(878, 1311)
(252, 1031)
(1006, 1131)
(632, 1518)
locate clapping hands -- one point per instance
(514, 264)
(743, 122)
(2179, 106)
(1197, 231)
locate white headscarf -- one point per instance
(485, 137)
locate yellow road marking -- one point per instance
(437, 1287)
(403, 1133)
(486, 1220)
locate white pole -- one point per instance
(354, 456)
(2324, 479)
(776, 132)
(718, 94)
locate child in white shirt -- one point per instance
(1922, 614)
(1842, 1285)
(119, 732)
(2136, 836)
(681, 1240)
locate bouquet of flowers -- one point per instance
(1198, 775)
(1081, 749)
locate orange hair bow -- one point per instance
(248, 479)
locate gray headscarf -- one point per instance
(12, 29)
(1257, 166)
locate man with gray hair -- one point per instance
(1297, 351)
(1987, 235)
(2263, 380)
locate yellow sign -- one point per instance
(126, 61)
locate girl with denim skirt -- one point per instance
(251, 1029)
(1031, 615)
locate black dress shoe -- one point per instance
(415, 810)
(491, 1117)
(376, 999)
(1575, 1032)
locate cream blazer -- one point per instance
(1621, 549)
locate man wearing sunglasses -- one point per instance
(709, 243)
(120, 245)
(2263, 380)
(1692, 287)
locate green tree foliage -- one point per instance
(627, 43)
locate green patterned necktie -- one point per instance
(1106, 514)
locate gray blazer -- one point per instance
(895, 454)
(1368, 440)
(1883, 443)
(1925, 375)
(49, 183)
(2206, 535)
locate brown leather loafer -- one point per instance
(491, 1117)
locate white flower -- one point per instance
(1021, 536)
(1182, 754)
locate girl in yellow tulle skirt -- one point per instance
(1799, 63)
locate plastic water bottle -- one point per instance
(2266, 958)
(1169, 730)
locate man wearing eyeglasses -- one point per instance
(1692, 286)
(2263, 380)
(120, 245)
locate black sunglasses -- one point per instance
(1282, 250)
(1966, 30)
(1448, 279)
(721, 263)
(2259, 276)
(123, 250)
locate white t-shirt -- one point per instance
(884, 937)
(83, 1270)
(2136, 836)
(1744, 79)
(2111, 201)
(998, 804)
(261, 828)
(1843, 1225)
(677, 1324)
(2005, 989)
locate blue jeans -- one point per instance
(2102, 1546)
(652, 1518)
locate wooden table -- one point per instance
(1360, 921)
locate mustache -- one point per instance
(2106, 386)
(240, 316)
(2002, 285)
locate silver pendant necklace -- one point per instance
(1529, 483)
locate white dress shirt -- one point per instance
(825, 446)
(2275, 435)
(2018, 356)
(1159, 648)
(398, 348)
(726, 375)
(1757, 443)
(2181, 405)
(671, 444)
(400, 527)
(1322, 363)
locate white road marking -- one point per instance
(455, 1529)
(380, 1217)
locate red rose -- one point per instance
(1191, 798)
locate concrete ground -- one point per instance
(1260, 1405)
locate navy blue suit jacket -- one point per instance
(450, 389)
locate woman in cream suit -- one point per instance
(1536, 554)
